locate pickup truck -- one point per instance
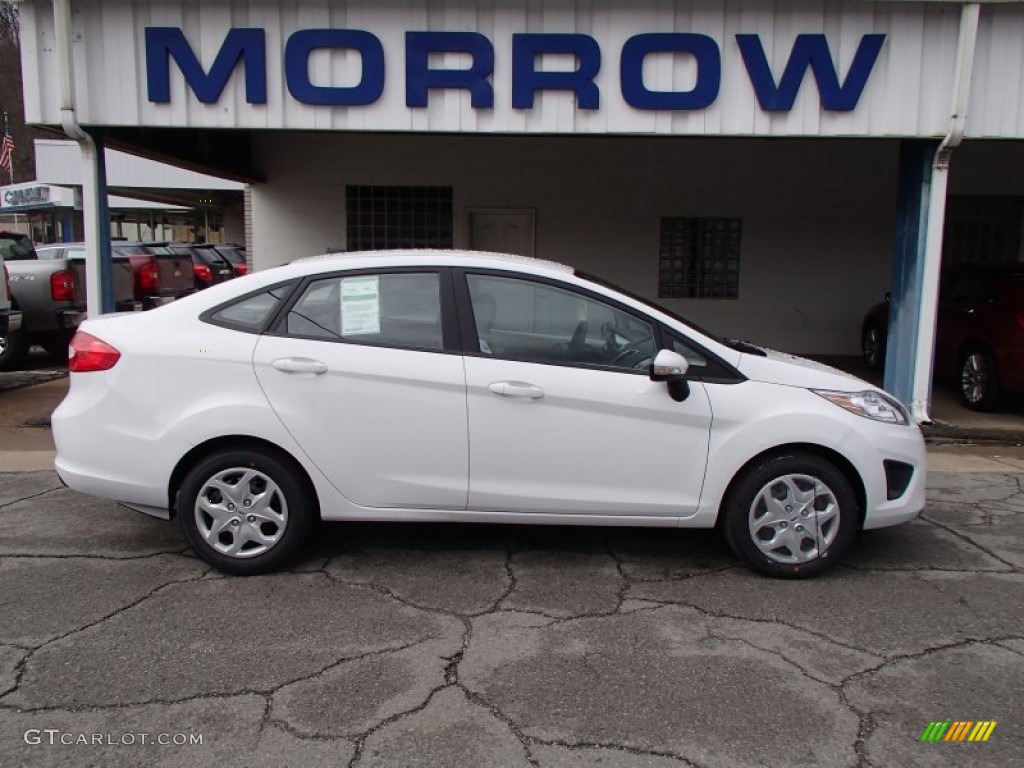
(48, 286)
(161, 274)
(10, 318)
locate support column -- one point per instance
(98, 255)
(908, 267)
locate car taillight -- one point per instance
(241, 269)
(149, 275)
(88, 353)
(1020, 320)
(203, 272)
(62, 285)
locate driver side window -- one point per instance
(524, 320)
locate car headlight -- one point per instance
(869, 404)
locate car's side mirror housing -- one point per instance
(671, 367)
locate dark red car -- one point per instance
(979, 342)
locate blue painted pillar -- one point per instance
(102, 224)
(914, 188)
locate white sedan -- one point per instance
(450, 386)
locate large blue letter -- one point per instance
(526, 80)
(809, 50)
(165, 43)
(709, 70)
(420, 78)
(296, 67)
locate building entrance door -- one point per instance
(502, 230)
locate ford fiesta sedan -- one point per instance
(448, 386)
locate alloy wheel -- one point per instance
(974, 377)
(871, 346)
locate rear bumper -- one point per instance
(70, 319)
(130, 305)
(10, 320)
(150, 302)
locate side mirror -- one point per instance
(671, 367)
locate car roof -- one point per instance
(439, 257)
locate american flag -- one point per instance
(6, 151)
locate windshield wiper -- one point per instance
(746, 346)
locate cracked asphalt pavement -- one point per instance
(471, 645)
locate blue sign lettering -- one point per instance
(296, 67)
(526, 80)
(812, 51)
(249, 47)
(709, 71)
(420, 78)
(165, 43)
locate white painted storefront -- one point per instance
(786, 116)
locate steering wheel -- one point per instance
(634, 353)
(611, 342)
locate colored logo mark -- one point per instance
(958, 730)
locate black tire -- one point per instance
(978, 379)
(57, 347)
(829, 487)
(872, 346)
(13, 349)
(293, 494)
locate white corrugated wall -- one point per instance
(907, 94)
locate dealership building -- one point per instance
(768, 170)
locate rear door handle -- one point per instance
(516, 389)
(300, 365)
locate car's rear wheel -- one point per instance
(791, 515)
(872, 344)
(979, 380)
(13, 348)
(245, 512)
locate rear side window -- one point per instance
(16, 247)
(253, 312)
(392, 309)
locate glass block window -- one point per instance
(699, 258)
(380, 218)
(982, 230)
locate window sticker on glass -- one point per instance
(360, 306)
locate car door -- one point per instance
(966, 301)
(364, 375)
(563, 417)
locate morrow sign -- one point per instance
(247, 46)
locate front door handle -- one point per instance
(516, 389)
(300, 365)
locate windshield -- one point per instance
(652, 305)
(739, 346)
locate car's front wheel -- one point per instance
(791, 515)
(245, 512)
(979, 380)
(872, 345)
